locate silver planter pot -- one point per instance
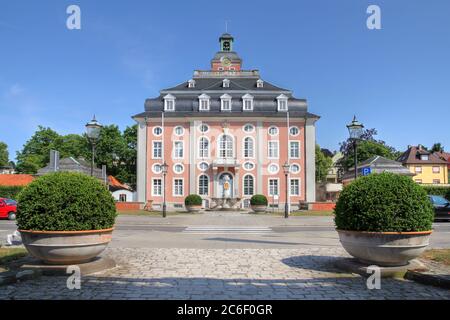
(66, 247)
(384, 248)
(194, 208)
(259, 208)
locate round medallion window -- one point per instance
(273, 131)
(293, 131)
(204, 128)
(273, 168)
(203, 166)
(249, 165)
(179, 130)
(249, 128)
(157, 168)
(157, 131)
(178, 168)
(295, 168)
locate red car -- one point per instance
(8, 208)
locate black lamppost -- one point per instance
(286, 169)
(164, 168)
(93, 129)
(356, 130)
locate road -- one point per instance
(230, 230)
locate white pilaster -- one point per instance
(260, 154)
(141, 165)
(310, 150)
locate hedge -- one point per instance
(193, 200)
(10, 192)
(438, 191)
(258, 200)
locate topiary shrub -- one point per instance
(65, 201)
(258, 200)
(384, 202)
(193, 200)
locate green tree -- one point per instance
(323, 164)
(437, 147)
(4, 154)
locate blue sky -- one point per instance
(395, 79)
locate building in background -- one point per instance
(446, 157)
(226, 132)
(427, 167)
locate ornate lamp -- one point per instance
(93, 129)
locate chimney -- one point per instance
(54, 160)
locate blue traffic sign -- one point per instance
(366, 171)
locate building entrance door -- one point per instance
(225, 189)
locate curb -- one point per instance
(428, 279)
(11, 277)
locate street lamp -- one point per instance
(356, 130)
(286, 168)
(164, 168)
(93, 133)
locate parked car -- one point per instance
(441, 207)
(8, 208)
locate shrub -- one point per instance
(193, 200)
(10, 192)
(438, 191)
(65, 201)
(258, 200)
(384, 202)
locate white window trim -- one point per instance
(243, 147)
(273, 135)
(174, 152)
(175, 131)
(268, 149)
(153, 148)
(178, 164)
(225, 83)
(203, 97)
(259, 83)
(191, 83)
(233, 139)
(275, 164)
(268, 187)
(168, 98)
(248, 124)
(153, 187)
(299, 168)
(299, 187)
(281, 98)
(157, 135)
(200, 126)
(198, 185)
(199, 149)
(198, 166)
(223, 98)
(173, 187)
(298, 131)
(243, 186)
(243, 166)
(247, 97)
(153, 168)
(299, 149)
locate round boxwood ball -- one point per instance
(65, 201)
(193, 200)
(382, 203)
(258, 200)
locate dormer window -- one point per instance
(191, 83)
(424, 157)
(226, 83)
(225, 102)
(247, 102)
(203, 102)
(169, 103)
(282, 102)
(259, 83)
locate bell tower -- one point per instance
(226, 59)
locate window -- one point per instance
(273, 131)
(295, 168)
(294, 131)
(295, 187)
(424, 157)
(249, 166)
(191, 83)
(204, 128)
(273, 168)
(203, 102)
(122, 197)
(226, 147)
(294, 149)
(157, 131)
(226, 83)
(436, 169)
(178, 168)
(248, 148)
(249, 128)
(418, 169)
(436, 181)
(247, 102)
(203, 166)
(203, 183)
(273, 151)
(259, 83)
(282, 102)
(157, 187)
(273, 187)
(248, 185)
(203, 148)
(157, 168)
(178, 187)
(157, 149)
(179, 130)
(178, 149)
(225, 102)
(169, 103)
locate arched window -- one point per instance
(203, 148)
(203, 183)
(226, 147)
(248, 185)
(248, 148)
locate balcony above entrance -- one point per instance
(226, 162)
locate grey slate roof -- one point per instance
(72, 165)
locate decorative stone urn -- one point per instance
(384, 248)
(259, 208)
(193, 208)
(66, 247)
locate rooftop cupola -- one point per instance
(226, 59)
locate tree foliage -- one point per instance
(4, 155)
(437, 147)
(323, 164)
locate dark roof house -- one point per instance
(419, 155)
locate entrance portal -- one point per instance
(225, 186)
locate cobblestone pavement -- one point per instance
(145, 273)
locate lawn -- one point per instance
(149, 213)
(305, 213)
(438, 255)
